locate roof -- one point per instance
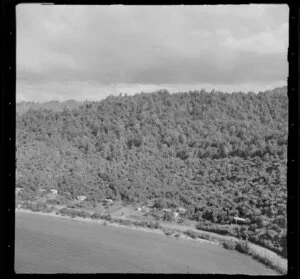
(239, 219)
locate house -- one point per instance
(18, 189)
(139, 209)
(167, 210)
(181, 210)
(239, 220)
(53, 191)
(81, 198)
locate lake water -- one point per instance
(47, 244)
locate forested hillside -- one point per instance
(218, 155)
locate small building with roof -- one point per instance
(240, 220)
(181, 210)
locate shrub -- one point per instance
(168, 232)
(54, 202)
(229, 244)
(157, 225)
(96, 215)
(49, 209)
(142, 224)
(82, 213)
(106, 217)
(36, 207)
(191, 234)
(53, 208)
(243, 247)
(168, 217)
(64, 211)
(153, 225)
(177, 235)
(205, 236)
(126, 222)
(160, 203)
(180, 221)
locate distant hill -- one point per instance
(218, 155)
(23, 107)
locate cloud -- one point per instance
(266, 42)
(151, 45)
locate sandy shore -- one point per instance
(101, 222)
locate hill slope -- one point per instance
(218, 155)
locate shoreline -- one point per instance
(113, 224)
(260, 254)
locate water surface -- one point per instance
(47, 244)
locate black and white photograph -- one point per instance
(151, 139)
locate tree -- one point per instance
(160, 203)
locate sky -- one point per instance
(89, 52)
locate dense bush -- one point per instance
(229, 244)
(36, 207)
(53, 202)
(125, 222)
(168, 232)
(83, 214)
(65, 211)
(217, 155)
(49, 209)
(250, 233)
(177, 235)
(96, 215)
(74, 213)
(168, 217)
(106, 217)
(243, 247)
(154, 225)
(205, 236)
(191, 234)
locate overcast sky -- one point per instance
(89, 52)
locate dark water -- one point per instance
(46, 244)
